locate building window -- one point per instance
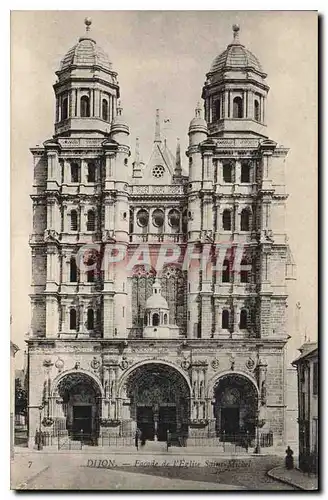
(90, 319)
(244, 272)
(91, 220)
(245, 173)
(226, 272)
(85, 106)
(217, 110)
(245, 220)
(158, 218)
(165, 319)
(238, 111)
(256, 111)
(72, 319)
(243, 319)
(315, 378)
(91, 263)
(155, 319)
(64, 109)
(73, 270)
(91, 275)
(174, 218)
(226, 220)
(75, 172)
(225, 319)
(73, 220)
(91, 172)
(105, 110)
(227, 172)
(142, 218)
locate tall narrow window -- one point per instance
(243, 319)
(226, 220)
(73, 220)
(238, 111)
(155, 319)
(75, 171)
(256, 110)
(245, 220)
(85, 106)
(227, 172)
(91, 265)
(91, 220)
(64, 109)
(245, 173)
(105, 110)
(244, 272)
(225, 319)
(73, 270)
(91, 275)
(90, 319)
(72, 319)
(226, 271)
(217, 109)
(91, 172)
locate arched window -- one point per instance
(91, 220)
(243, 319)
(226, 220)
(73, 220)
(244, 271)
(155, 319)
(226, 271)
(90, 319)
(64, 109)
(225, 319)
(158, 218)
(165, 319)
(91, 172)
(185, 222)
(85, 106)
(227, 172)
(245, 173)
(73, 270)
(142, 218)
(174, 218)
(238, 111)
(256, 110)
(75, 172)
(245, 220)
(104, 110)
(72, 319)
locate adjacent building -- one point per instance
(159, 288)
(307, 365)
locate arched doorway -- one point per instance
(159, 401)
(235, 407)
(80, 397)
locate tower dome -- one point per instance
(236, 56)
(156, 300)
(85, 53)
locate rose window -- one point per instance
(158, 171)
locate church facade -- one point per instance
(159, 290)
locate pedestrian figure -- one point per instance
(289, 460)
(137, 437)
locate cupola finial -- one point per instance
(198, 110)
(157, 128)
(87, 22)
(119, 108)
(236, 29)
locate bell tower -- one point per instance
(86, 90)
(235, 93)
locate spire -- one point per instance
(119, 109)
(178, 169)
(198, 111)
(137, 162)
(235, 30)
(157, 128)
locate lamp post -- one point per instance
(258, 445)
(39, 440)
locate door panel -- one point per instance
(167, 421)
(145, 422)
(82, 419)
(230, 421)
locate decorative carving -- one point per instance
(77, 365)
(48, 362)
(215, 364)
(250, 364)
(185, 364)
(95, 363)
(59, 364)
(263, 393)
(124, 363)
(232, 362)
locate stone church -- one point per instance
(159, 288)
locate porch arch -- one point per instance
(73, 371)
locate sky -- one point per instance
(162, 59)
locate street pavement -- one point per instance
(135, 471)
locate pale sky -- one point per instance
(161, 59)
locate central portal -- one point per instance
(159, 401)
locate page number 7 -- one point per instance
(29, 463)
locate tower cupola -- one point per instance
(86, 90)
(235, 92)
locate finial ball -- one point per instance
(235, 27)
(88, 21)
